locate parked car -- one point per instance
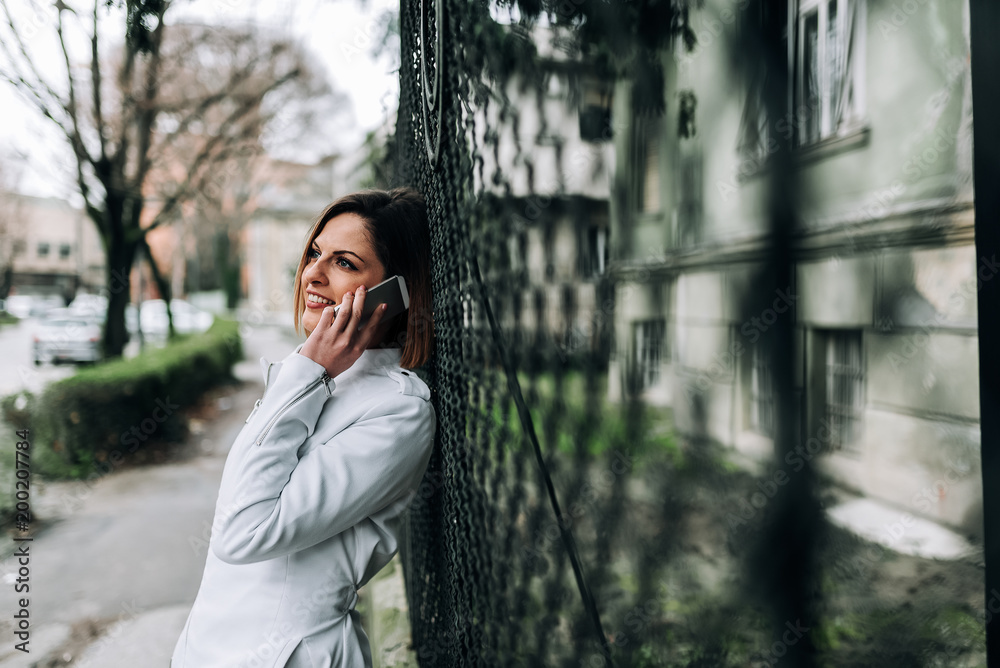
(19, 305)
(92, 307)
(32, 306)
(63, 336)
(42, 305)
(187, 318)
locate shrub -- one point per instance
(96, 418)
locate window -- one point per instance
(844, 390)
(689, 194)
(647, 164)
(595, 111)
(826, 77)
(651, 175)
(517, 249)
(594, 251)
(648, 345)
(829, 85)
(43, 249)
(549, 249)
(64, 251)
(762, 410)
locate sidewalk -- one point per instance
(116, 563)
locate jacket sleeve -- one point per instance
(278, 504)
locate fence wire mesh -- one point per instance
(625, 542)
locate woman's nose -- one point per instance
(313, 273)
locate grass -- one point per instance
(7, 447)
(570, 416)
(708, 617)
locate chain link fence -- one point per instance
(565, 521)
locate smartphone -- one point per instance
(391, 291)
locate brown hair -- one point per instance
(397, 227)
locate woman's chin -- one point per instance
(309, 321)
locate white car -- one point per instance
(91, 307)
(45, 304)
(19, 305)
(187, 318)
(95, 309)
(62, 336)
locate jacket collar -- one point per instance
(371, 358)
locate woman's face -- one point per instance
(341, 259)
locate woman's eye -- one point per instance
(314, 253)
(346, 263)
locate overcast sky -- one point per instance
(340, 33)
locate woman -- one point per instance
(315, 485)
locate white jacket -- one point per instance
(309, 510)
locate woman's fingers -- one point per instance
(325, 319)
(359, 303)
(344, 313)
(358, 310)
(376, 317)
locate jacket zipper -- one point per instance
(256, 405)
(325, 379)
(267, 380)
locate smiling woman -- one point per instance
(315, 486)
(359, 241)
(339, 260)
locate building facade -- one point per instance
(548, 140)
(884, 293)
(48, 247)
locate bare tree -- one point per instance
(11, 232)
(150, 122)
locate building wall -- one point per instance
(554, 190)
(885, 261)
(274, 245)
(75, 255)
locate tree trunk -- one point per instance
(120, 256)
(162, 285)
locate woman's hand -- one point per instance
(337, 343)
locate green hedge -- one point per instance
(95, 419)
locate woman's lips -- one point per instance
(316, 305)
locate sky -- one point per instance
(339, 33)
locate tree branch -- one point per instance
(149, 109)
(207, 103)
(162, 284)
(120, 155)
(187, 187)
(31, 96)
(82, 155)
(95, 75)
(38, 84)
